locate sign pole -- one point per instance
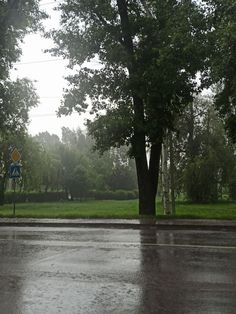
(14, 197)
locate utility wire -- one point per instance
(51, 60)
(43, 115)
(40, 61)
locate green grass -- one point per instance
(116, 209)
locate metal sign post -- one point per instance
(14, 197)
(15, 173)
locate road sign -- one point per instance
(15, 155)
(15, 171)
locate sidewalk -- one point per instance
(122, 223)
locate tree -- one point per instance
(52, 166)
(33, 164)
(223, 60)
(150, 52)
(79, 183)
(204, 154)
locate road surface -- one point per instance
(94, 270)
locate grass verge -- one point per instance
(116, 209)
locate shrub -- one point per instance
(114, 195)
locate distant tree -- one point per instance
(49, 142)
(79, 183)
(52, 168)
(150, 52)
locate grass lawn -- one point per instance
(116, 209)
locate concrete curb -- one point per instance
(122, 223)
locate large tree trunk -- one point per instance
(148, 179)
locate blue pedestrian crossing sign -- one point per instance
(15, 171)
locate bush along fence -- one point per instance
(22, 197)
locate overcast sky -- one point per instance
(48, 73)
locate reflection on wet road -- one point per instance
(58, 270)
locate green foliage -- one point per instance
(16, 99)
(79, 183)
(71, 165)
(83, 194)
(201, 181)
(164, 63)
(202, 153)
(223, 60)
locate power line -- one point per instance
(43, 115)
(52, 60)
(40, 61)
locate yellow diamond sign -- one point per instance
(15, 155)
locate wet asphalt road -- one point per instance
(81, 270)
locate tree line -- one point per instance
(68, 165)
(203, 158)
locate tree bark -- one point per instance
(165, 178)
(148, 180)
